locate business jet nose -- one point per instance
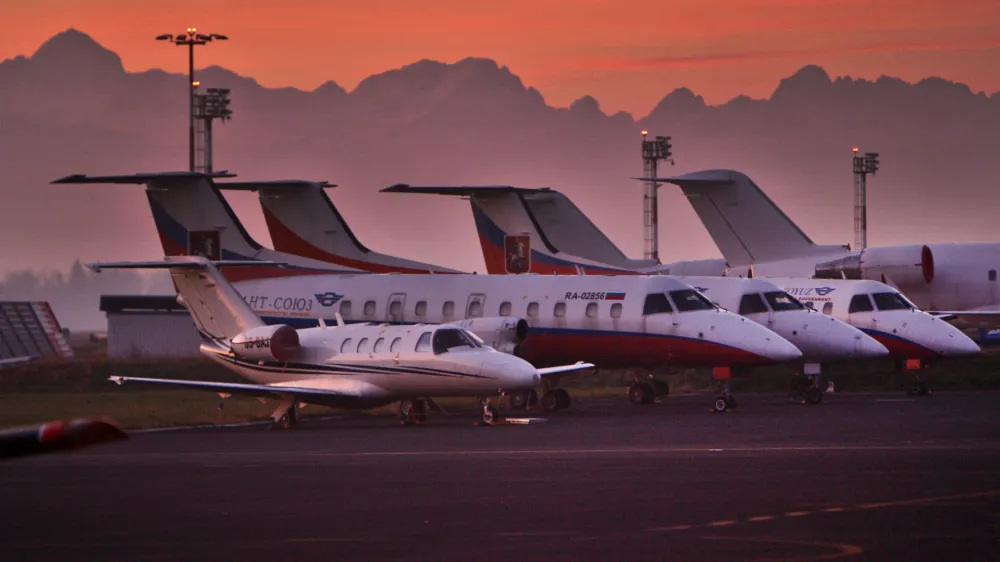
(511, 372)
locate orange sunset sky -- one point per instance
(627, 54)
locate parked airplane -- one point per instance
(641, 322)
(957, 280)
(303, 221)
(346, 366)
(882, 312)
(649, 321)
(539, 230)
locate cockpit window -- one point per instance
(780, 300)
(447, 339)
(752, 303)
(860, 303)
(424, 343)
(688, 299)
(890, 301)
(656, 303)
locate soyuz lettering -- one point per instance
(290, 304)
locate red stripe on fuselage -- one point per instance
(629, 349)
(903, 348)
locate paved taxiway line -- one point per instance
(837, 509)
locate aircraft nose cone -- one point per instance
(780, 350)
(513, 373)
(870, 347)
(955, 342)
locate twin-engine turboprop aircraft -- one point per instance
(634, 321)
(345, 366)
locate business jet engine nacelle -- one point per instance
(901, 265)
(503, 333)
(267, 343)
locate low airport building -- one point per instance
(149, 326)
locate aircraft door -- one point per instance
(474, 308)
(394, 308)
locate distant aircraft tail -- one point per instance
(218, 310)
(743, 221)
(303, 221)
(193, 218)
(513, 238)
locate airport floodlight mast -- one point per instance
(863, 165)
(213, 104)
(652, 152)
(190, 38)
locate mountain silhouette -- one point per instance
(71, 108)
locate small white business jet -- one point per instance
(345, 366)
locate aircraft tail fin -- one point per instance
(512, 236)
(192, 217)
(302, 220)
(742, 220)
(218, 310)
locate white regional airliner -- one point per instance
(539, 217)
(650, 322)
(885, 314)
(959, 280)
(346, 366)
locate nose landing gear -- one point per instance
(413, 412)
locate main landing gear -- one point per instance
(806, 389)
(285, 416)
(523, 400)
(554, 399)
(648, 390)
(413, 412)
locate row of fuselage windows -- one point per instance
(683, 300)
(442, 341)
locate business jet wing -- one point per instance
(10, 362)
(963, 319)
(310, 394)
(563, 369)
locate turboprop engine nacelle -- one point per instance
(904, 265)
(267, 343)
(502, 333)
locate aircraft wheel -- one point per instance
(490, 415)
(519, 401)
(814, 395)
(286, 421)
(562, 399)
(550, 401)
(721, 404)
(641, 393)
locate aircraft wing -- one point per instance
(268, 390)
(563, 369)
(969, 318)
(10, 362)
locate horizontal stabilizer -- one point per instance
(462, 190)
(266, 390)
(142, 178)
(275, 184)
(562, 369)
(180, 262)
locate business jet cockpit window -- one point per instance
(687, 300)
(424, 343)
(891, 301)
(656, 303)
(780, 300)
(447, 339)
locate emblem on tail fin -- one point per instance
(517, 253)
(328, 299)
(205, 243)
